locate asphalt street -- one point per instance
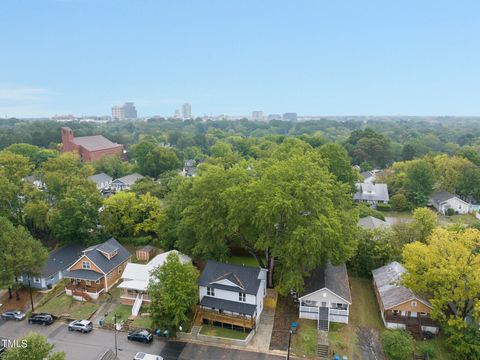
(90, 346)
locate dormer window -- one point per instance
(210, 291)
(86, 265)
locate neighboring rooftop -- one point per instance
(331, 277)
(60, 259)
(387, 279)
(219, 275)
(371, 222)
(100, 178)
(94, 143)
(129, 179)
(371, 192)
(439, 197)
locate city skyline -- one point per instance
(273, 56)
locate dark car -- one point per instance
(43, 319)
(143, 335)
(13, 315)
(84, 326)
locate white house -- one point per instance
(135, 279)
(126, 182)
(231, 295)
(443, 200)
(102, 180)
(371, 193)
(326, 296)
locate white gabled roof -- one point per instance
(138, 275)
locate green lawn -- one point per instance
(441, 352)
(244, 260)
(304, 342)
(220, 332)
(467, 219)
(123, 312)
(64, 304)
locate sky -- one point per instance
(318, 57)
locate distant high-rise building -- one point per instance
(187, 111)
(274, 117)
(290, 116)
(176, 115)
(127, 111)
(257, 115)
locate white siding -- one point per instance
(323, 296)
(227, 295)
(390, 325)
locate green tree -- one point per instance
(339, 163)
(420, 178)
(36, 348)
(424, 221)
(369, 146)
(398, 344)
(35, 154)
(113, 166)
(153, 160)
(20, 253)
(173, 289)
(75, 215)
(399, 202)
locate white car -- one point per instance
(144, 356)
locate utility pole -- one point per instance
(289, 341)
(31, 296)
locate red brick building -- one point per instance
(90, 148)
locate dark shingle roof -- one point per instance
(83, 275)
(334, 278)
(245, 277)
(234, 306)
(440, 196)
(95, 142)
(60, 259)
(99, 259)
(107, 247)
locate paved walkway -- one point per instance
(261, 340)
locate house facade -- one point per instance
(326, 297)
(231, 295)
(97, 269)
(54, 269)
(371, 193)
(90, 148)
(102, 180)
(443, 200)
(126, 182)
(400, 307)
(135, 279)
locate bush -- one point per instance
(427, 349)
(398, 344)
(384, 207)
(399, 202)
(450, 212)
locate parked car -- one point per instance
(84, 326)
(43, 319)
(143, 335)
(13, 315)
(144, 356)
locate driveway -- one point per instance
(90, 346)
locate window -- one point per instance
(210, 291)
(97, 282)
(88, 282)
(120, 270)
(85, 265)
(242, 297)
(422, 314)
(414, 304)
(36, 280)
(396, 312)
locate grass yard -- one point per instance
(467, 219)
(64, 304)
(143, 322)
(304, 342)
(438, 344)
(123, 312)
(364, 313)
(221, 332)
(244, 260)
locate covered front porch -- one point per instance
(219, 312)
(84, 285)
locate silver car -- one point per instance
(13, 315)
(84, 326)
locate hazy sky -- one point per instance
(321, 57)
